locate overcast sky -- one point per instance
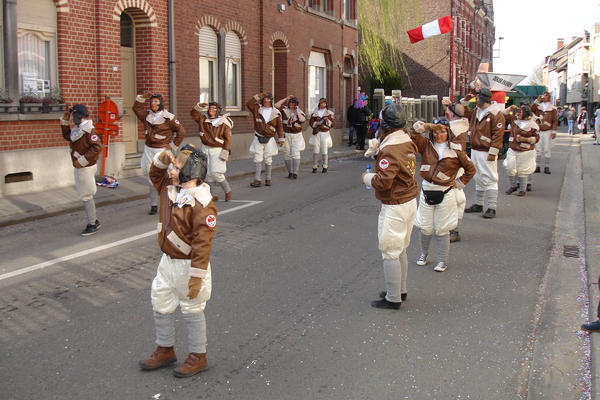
(531, 28)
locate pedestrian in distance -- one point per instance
(267, 125)
(459, 126)
(571, 118)
(321, 121)
(85, 148)
(548, 123)
(362, 114)
(214, 129)
(597, 125)
(486, 127)
(351, 118)
(162, 131)
(187, 225)
(520, 159)
(582, 121)
(437, 213)
(292, 119)
(395, 186)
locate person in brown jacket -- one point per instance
(520, 157)
(486, 132)
(292, 118)
(321, 121)
(267, 124)
(85, 148)
(215, 133)
(395, 186)
(548, 124)
(440, 163)
(162, 130)
(187, 225)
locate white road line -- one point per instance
(35, 267)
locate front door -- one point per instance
(128, 90)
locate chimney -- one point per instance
(560, 43)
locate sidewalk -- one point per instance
(41, 204)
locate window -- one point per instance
(36, 23)
(316, 79)
(319, 5)
(233, 57)
(349, 12)
(208, 64)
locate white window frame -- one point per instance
(208, 64)
(317, 79)
(233, 58)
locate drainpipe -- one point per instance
(172, 69)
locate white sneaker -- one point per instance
(422, 259)
(441, 267)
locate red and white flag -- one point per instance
(437, 27)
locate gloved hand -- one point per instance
(553, 135)
(76, 164)
(165, 157)
(262, 95)
(491, 157)
(419, 127)
(66, 116)
(373, 147)
(202, 105)
(446, 102)
(521, 139)
(146, 95)
(194, 285)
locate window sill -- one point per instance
(238, 113)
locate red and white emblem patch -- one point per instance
(94, 137)
(499, 125)
(384, 163)
(177, 121)
(211, 220)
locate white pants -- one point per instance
(293, 145)
(148, 157)
(85, 182)
(545, 144)
(321, 142)
(264, 151)
(170, 287)
(486, 177)
(395, 224)
(521, 163)
(216, 168)
(438, 219)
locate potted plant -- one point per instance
(5, 100)
(53, 101)
(29, 101)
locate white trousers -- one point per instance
(521, 163)
(486, 177)
(293, 145)
(321, 142)
(170, 287)
(264, 151)
(395, 224)
(546, 143)
(85, 182)
(438, 219)
(216, 168)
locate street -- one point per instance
(295, 267)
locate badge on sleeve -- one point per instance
(384, 163)
(211, 220)
(499, 125)
(94, 138)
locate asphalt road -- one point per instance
(295, 267)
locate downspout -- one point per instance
(172, 69)
(261, 54)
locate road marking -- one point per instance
(248, 203)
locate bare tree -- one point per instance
(536, 77)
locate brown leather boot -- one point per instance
(228, 196)
(195, 363)
(161, 356)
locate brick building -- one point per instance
(441, 63)
(187, 50)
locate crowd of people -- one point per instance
(185, 181)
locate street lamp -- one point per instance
(498, 49)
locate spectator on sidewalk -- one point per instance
(321, 121)
(486, 123)
(85, 148)
(292, 119)
(214, 129)
(520, 157)
(187, 225)
(351, 118)
(361, 118)
(162, 130)
(267, 124)
(395, 186)
(437, 213)
(582, 121)
(548, 123)
(571, 117)
(597, 125)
